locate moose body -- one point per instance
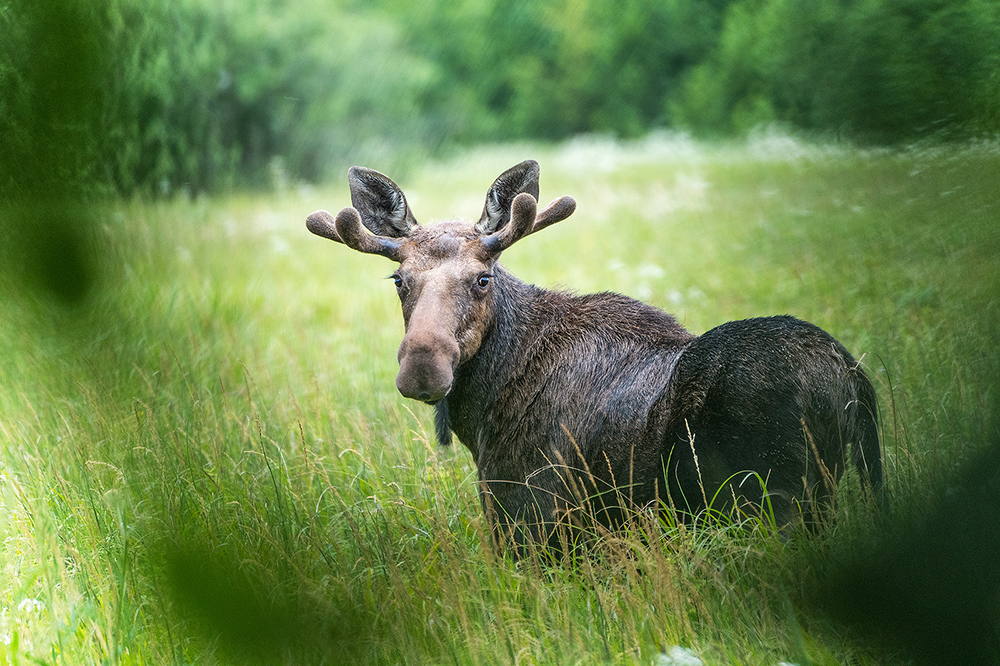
(600, 401)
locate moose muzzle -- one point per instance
(426, 367)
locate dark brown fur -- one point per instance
(597, 405)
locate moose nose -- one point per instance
(426, 371)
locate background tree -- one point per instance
(161, 96)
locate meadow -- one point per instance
(205, 460)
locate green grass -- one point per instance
(206, 460)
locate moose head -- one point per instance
(445, 270)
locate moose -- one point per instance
(571, 402)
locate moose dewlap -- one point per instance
(601, 402)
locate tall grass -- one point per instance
(207, 461)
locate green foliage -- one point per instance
(879, 70)
(158, 96)
(49, 105)
(556, 68)
(154, 97)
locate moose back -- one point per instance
(601, 404)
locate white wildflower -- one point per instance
(29, 605)
(677, 656)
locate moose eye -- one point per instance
(483, 281)
(397, 280)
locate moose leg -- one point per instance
(710, 466)
(541, 510)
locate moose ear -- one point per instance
(500, 196)
(381, 203)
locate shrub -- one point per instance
(880, 70)
(159, 95)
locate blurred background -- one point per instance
(161, 96)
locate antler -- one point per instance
(346, 228)
(524, 221)
(323, 224)
(557, 211)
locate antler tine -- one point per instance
(522, 217)
(557, 211)
(346, 228)
(524, 221)
(356, 237)
(323, 224)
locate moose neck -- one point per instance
(534, 339)
(481, 381)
